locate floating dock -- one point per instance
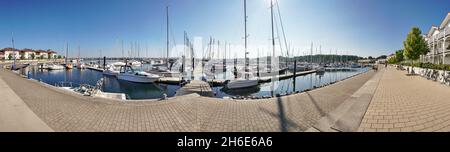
(178, 81)
(200, 87)
(95, 69)
(285, 76)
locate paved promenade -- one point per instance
(407, 103)
(15, 114)
(64, 111)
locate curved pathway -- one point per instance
(65, 111)
(407, 103)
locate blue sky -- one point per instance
(360, 27)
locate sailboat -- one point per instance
(248, 81)
(79, 64)
(113, 69)
(68, 65)
(320, 69)
(166, 69)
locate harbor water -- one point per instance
(302, 83)
(137, 91)
(75, 76)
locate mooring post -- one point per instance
(104, 63)
(257, 67)
(295, 71)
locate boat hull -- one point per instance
(110, 73)
(239, 84)
(56, 67)
(136, 79)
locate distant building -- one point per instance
(9, 52)
(42, 54)
(438, 42)
(53, 54)
(390, 56)
(26, 54)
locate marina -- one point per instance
(224, 66)
(169, 86)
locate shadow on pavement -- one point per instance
(286, 124)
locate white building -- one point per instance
(438, 42)
(26, 54)
(5, 53)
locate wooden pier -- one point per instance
(200, 87)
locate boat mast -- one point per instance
(78, 54)
(167, 36)
(67, 53)
(273, 34)
(245, 30)
(121, 45)
(311, 57)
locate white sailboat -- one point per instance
(113, 69)
(80, 65)
(129, 74)
(248, 81)
(161, 68)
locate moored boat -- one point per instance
(129, 74)
(55, 67)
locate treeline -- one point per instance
(326, 58)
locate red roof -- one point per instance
(29, 50)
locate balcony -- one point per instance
(441, 34)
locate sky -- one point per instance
(356, 27)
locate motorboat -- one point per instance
(127, 73)
(134, 63)
(55, 67)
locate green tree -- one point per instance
(392, 60)
(370, 57)
(49, 56)
(399, 56)
(32, 56)
(59, 56)
(415, 45)
(22, 56)
(10, 57)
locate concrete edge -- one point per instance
(346, 109)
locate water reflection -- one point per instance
(110, 84)
(287, 86)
